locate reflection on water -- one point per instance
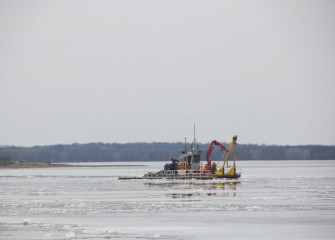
(196, 189)
(183, 195)
(225, 185)
(191, 185)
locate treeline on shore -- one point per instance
(156, 151)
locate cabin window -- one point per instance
(196, 158)
(189, 159)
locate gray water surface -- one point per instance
(272, 200)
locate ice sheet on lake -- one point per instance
(270, 200)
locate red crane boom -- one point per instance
(209, 152)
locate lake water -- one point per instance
(272, 200)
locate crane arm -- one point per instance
(209, 152)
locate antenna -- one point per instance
(194, 140)
(194, 143)
(185, 144)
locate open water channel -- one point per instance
(272, 200)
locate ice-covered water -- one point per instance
(272, 200)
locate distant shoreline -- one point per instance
(18, 165)
(156, 151)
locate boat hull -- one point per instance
(190, 176)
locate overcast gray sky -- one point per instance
(133, 71)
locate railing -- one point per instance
(181, 173)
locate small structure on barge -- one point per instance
(188, 164)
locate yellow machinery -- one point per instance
(229, 172)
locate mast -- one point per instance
(194, 130)
(185, 145)
(195, 146)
